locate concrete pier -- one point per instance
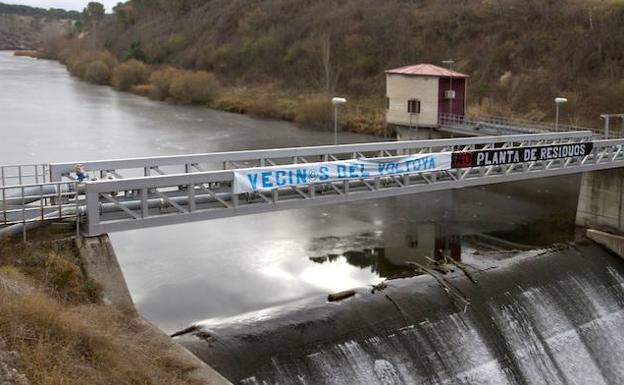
(101, 265)
(600, 204)
(612, 242)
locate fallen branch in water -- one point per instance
(340, 295)
(464, 269)
(450, 290)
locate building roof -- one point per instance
(426, 70)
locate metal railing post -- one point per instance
(92, 212)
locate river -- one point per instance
(218, 270)
(185, 273)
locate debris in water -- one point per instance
(340, 295)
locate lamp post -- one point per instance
(450, 63)
(336, 101)
(558, 101)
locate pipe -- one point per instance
(36, 193)
(18, 229)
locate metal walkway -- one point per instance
(156, 191)
(490, 125)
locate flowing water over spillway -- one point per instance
(542, 317)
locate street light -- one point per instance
(336, 101)
(450, 63)
(558, 101)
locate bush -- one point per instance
(194, 87)
(316, 112)
(130, 73)
(78, 65)
(142, 89)
(161, 80)
(97, 72)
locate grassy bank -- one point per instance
(52, 320)
(202, 88)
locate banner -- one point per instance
(495, 157)
(269, 178)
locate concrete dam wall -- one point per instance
(543, 317)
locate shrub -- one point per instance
(194, 87)
(130, 73)
(161, 80)
(315, 111)
(135, 51)
(78, 65)
(142, 89)
(97, 72)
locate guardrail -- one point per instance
(12, 175)
(178, 164)
(42, 202)
(493, 125)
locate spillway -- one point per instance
(547, 317)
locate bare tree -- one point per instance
(331, 70)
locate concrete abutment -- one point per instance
(601, 201)
(101, 264)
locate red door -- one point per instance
(457, 106)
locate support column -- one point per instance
(601, 201)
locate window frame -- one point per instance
(413, 106)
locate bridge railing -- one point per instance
(15, 175)
(40, 202)
(494, 125)
(177, 164)
(115, 205)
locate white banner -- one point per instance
(269, 178)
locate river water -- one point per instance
(273, 266)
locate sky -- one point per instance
(76, 5)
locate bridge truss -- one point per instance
(155, 191)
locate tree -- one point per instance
(124, 14)
(94, 12)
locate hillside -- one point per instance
(24, 27)
(19, 32)
(519, 53)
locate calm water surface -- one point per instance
(180, 274)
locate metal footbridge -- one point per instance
(495, 125)
(125, 194)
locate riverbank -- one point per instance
(306, 107)
(61, 325)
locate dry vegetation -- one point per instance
(29, 32)
(50, 315)
(520, 54)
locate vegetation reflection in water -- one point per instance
(387, 253)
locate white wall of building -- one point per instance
(401, 88)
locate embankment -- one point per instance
(66, 317)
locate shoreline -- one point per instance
(307, 108)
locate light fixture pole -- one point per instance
(336, 101)
(558, 101)
(450, 63)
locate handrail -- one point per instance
(261, 157)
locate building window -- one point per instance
(413, 106)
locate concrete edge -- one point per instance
(100, 263)
(612, 242)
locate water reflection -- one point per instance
(387, 253)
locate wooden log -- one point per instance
(340, 295)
